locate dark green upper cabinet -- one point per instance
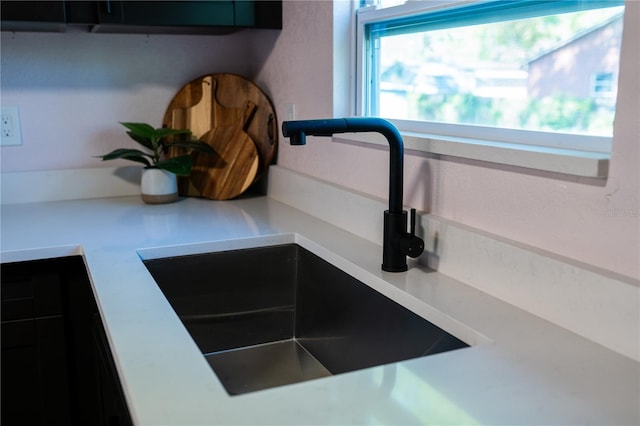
(154, 17)
(32, 15)
(178, 13)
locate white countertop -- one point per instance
(520, 369)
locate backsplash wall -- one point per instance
(73, 88)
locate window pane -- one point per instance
(549, 73)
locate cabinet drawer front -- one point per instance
(34, 296)
(32, 332)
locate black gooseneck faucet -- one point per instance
(397, 242)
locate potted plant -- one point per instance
(158, 183)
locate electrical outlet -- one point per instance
(11, 133)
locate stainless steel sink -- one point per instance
(271, 316)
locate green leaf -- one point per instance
(128, 154)
(197, 145)
(146, 142)
(141, 129)
(164, 132)
(179, 165)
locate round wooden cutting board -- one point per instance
(230, 171)
(229, 101)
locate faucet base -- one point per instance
(395, 225)
(401, 269)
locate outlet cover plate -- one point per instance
(10, 131)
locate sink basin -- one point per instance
(271, 316)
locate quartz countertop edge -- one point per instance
(520, 369)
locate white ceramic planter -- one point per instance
(158, 186)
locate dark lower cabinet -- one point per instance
(57, 368)
(112, 407)
(34, 372)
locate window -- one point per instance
(516, 70)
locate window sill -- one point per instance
(555, 160)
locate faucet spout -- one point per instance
(297, 130)
(397, 242)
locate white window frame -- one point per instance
(577, 155)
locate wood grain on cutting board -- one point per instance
(225, 100)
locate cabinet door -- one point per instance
(34, 374)
(32, 15)
(178, 13)
(113, 409)
(133, 16)
(266, 14)
(36, 11)
(54, 371)
(192, 14)
(110, 12)
(28, 295)
(34, 371)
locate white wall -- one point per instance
(73, 88)
(590, 221)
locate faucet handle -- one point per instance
(410, 244)
(412, 217)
